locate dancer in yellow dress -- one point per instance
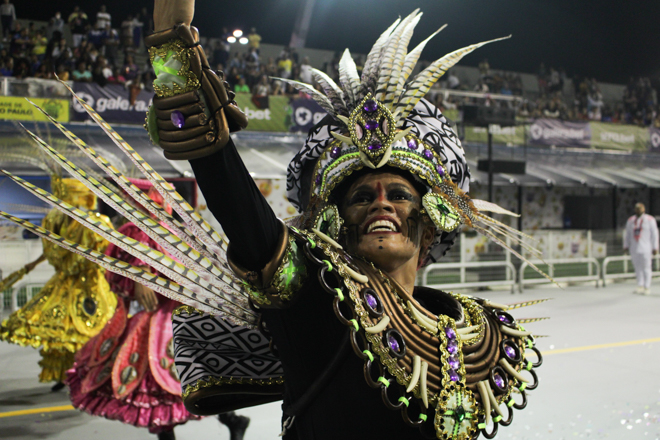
(75, 303)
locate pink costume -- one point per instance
(127, 371)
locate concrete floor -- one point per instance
(600, 378)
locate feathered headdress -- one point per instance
(381, 119)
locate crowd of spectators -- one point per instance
(638, 105)
(98, 52)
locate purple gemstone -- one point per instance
(428, 154)
(499, 381)
(510, 352)
(505, 319)
(371, 301)
(453, 376)
(393, 343)
(440, 170)
(319, 179)
(412, 144)
(451, 334)
(370, 106)
(177, 119)
(453, 362)
(371, 125)
(335, 152)
(374, 147)
(452, 346)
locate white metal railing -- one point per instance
(589, 276)
(509, 278)
(627, 264)
(14, 305)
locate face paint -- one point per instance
(382, 214)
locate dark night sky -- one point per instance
(608, 40)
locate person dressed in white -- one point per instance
(641, 240)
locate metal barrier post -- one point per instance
(14, 300)
(589, 248)
(463, 249)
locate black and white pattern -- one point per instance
(208, 346)
(429, 125)
(299, 174)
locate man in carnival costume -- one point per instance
(381, 186)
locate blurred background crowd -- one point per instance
(106, 49)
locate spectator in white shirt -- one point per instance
(103, 18)
(55, 29)
(7, 16)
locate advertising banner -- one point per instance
(654, 134)
(111, 102)
(17, 108)
(501, 135)
(305, 114)
(559, 133)
(619, 137)
(265, 114)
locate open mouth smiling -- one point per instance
(380, 225)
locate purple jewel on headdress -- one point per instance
(335, 152)
(374, 147)
(428, 154)
(499, 381)
(453, 376)
(371, 301)
(505, 319)
(453, 362)
(510, 351)
(394, 344)
(452, 346)
(412, 144)
(370, 106)
(451, 334)
(371, 125)
(177, 119)
(319, 179)
(440, 170)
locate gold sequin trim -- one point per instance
(210, 381)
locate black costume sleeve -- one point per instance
(238, 205)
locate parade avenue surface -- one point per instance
(599, 378)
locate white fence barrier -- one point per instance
(509, 277)
(628, 269)
(592, 271)
(14, 304)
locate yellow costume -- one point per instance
(75, 303)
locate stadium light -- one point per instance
(243, 40)
(238, 33)
(231, 39)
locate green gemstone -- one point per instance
(459, 414)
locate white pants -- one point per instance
(642, 263)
